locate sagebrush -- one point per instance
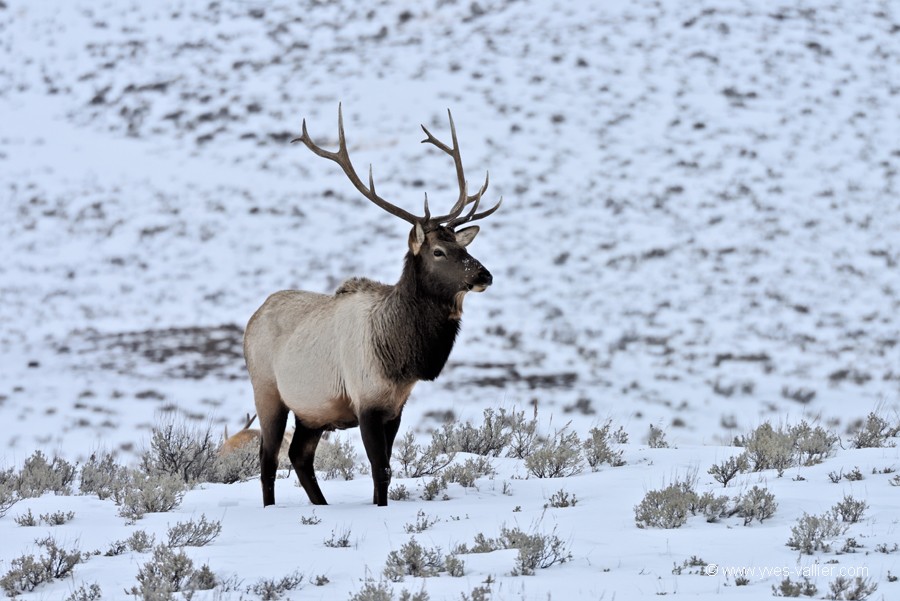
(170, 571)
(412, 559)
(27, 572)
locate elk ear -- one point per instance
(465, 236)
(416, 238)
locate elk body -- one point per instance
(352, 358)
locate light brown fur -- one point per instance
(243, 438)
(248, 437)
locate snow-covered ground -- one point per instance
(611, 557)
(700, 232)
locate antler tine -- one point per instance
(464, 199)
(484, 187)
(432, 140)
(342, 158)
(472, 216)
(427, 212)
(455, 222)
(453, 131)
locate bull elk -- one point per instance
(352, 358)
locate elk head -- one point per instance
(437, 250)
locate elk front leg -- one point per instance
(373, 426)
(390, 433)
(302, 453)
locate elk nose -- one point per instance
(486, 277)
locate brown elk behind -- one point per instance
(352, 358)
(243, 438)
(247, 437)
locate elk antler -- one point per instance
(342, 158)
(451, 219)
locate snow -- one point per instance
(699, 228)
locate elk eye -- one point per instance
(439, 253)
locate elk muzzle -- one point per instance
(482, 279)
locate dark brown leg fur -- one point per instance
(302, 454)
(390, 433)
(271, 435)
(374, 431)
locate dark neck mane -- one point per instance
(413, 330)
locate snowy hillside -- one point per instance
(700, 232)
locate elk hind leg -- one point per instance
(302, 454)
(272, 421)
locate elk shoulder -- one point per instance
(361, 285)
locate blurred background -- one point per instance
(700, 227)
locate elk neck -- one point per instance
(414, 327)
